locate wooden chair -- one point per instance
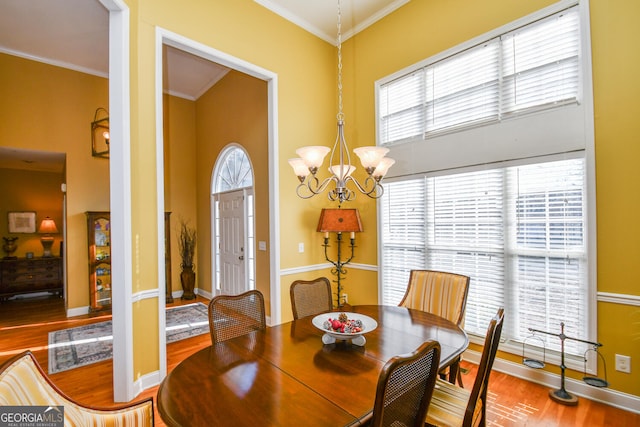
(309, 297)
(24, 383)
(405, 386)
(454, 406)
(231, 316)
(443, 294)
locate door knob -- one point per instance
(241, 257)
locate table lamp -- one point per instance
(47, 227)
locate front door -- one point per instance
(232, 241)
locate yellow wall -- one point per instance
(39, 192)
(616, 60)
(306, 108)
(246, 30)
(88, 182)
(421, 29)
(233, 111)
(49, 108)
(179, 173)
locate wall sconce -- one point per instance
(339, 221)
(100, 134)
(47, 227)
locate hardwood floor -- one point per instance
(26, 323)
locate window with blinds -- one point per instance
(532, 68)
(518, 232)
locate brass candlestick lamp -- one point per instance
(339, 221)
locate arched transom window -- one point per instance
(234, 171)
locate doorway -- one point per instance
(233, 222)
(266, 156)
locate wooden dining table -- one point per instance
(286, 376)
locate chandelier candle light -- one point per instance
(311, 158)
(339, 221)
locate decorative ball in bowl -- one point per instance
(344, 326)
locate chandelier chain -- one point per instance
(340, 115)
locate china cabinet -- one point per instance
(99, 240)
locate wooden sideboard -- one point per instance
(29, 275)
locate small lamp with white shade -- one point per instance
(47, 228)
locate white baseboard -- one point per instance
(197, 291)
(145, 382)
(625, 401)
(78, 311)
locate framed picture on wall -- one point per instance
(22, 222)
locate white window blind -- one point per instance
(463, 89)
(540, 63)
(405, 235)
(518, 232)
(401, 106)
(534, 67)
(548, 246)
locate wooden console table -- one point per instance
(29, 275)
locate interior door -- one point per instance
(232, 239)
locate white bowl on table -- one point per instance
(330, 336)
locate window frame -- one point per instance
(414, 161)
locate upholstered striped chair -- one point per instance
(453, 406)
(24, 383)
(309, 297)
(441, 293)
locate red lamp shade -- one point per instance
(339, 220)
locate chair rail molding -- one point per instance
(613, 298)
(324, 266)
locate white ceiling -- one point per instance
(74, 34)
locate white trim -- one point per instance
(274, 197)
(368, 267)
(633, 300)
(78, 311)
(617, 399)
(162, 284)
(146, 381)
(148, 294)
(318, 32)
(202, 293)
(324, 266)
(590, 171)
(120, 200)
(180, 42)
(55, 63)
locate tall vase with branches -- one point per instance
(187, 247)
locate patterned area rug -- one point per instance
(75, 347)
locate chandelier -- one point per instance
(311, 158)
